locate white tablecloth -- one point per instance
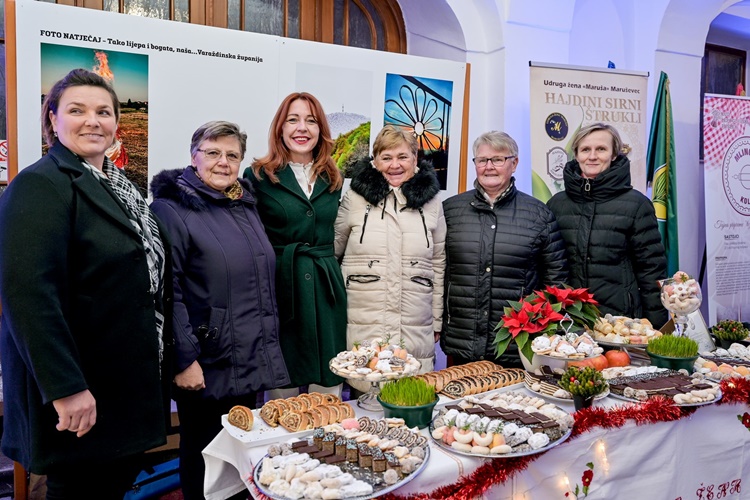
(704, 457)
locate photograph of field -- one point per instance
(128, 74)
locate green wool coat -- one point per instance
(309, 285)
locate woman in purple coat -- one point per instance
(225, 316)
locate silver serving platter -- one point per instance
(703, 403)
(355, 470)
(551, 445)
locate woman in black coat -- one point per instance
(225, 320)
(610, 229)
(82, 282)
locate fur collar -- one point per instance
(369, 183)
(185, 188)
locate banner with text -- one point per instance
(172, 77)
(726, 154)
(565, 98)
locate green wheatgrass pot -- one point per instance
(414, 416)
(672, 363)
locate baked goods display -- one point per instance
(736, 351)
(440, 378)
(543, 381)
(720, 364)
(624, 330)
(504, 424)
(683, 389)
(476, 384)
(305, 411)
(241, 417)
(358, 458)
(375, 361)
(558, 347)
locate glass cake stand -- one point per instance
(680, 307)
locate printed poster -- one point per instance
(726, 153)
(566, 98)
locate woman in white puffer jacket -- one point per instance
(390, 239)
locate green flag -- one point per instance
(662, 173)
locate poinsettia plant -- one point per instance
(540, 313)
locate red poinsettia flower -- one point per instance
(546, 314)
(583, 295)
(521, 321)
(588, 475)
(540, 313)
(561, 295)
(746, 420)
(537, 297)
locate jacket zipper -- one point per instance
(447, 302)
(364, 224)
(424, 224)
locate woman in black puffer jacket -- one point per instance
(610, 229)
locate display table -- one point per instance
(702, 454)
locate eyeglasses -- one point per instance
(497, 161)
(215, 154)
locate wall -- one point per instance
(502, 36)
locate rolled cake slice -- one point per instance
(241, 417)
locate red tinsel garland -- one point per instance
(654, 410)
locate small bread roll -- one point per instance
(241, 416)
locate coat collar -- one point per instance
(185, 188)
(611, 183)
(288, 181)
(369, 183)
(96, 191)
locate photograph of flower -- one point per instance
(423, 107)
(128, 74)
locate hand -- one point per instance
(76, 413)
(191, 378)
(437, 337)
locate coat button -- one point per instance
(308, 276)
(485, 313)
(487, 269)
(481, 357)
(309, 213)
(492, 226)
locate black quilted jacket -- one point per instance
(613, 242)
(495, 254)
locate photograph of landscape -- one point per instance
(128, 74)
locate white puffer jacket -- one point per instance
(393, 260)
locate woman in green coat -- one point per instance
(298, 188)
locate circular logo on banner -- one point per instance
(3, 150)
(556, 159)
(556, 126)
(735, 173)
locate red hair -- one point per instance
(278, 154)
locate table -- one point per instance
(703, 456)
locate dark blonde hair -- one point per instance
(76, 78)
(617, 145)
(391, 137)
(278, 154)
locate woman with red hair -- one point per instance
(298, 188)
